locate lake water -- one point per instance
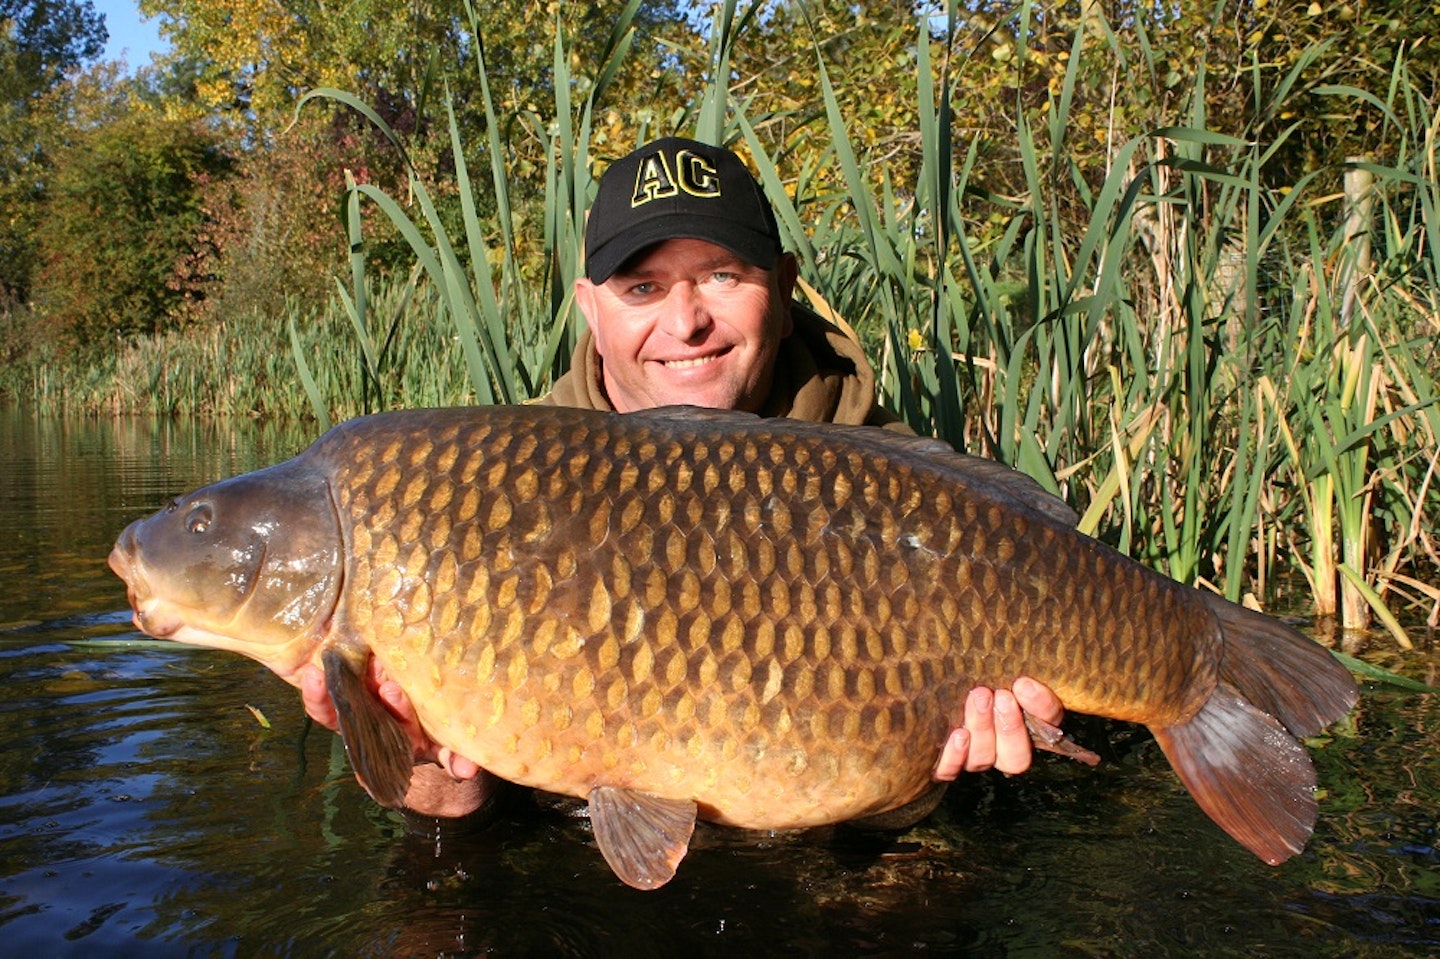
(146, 810)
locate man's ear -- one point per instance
(787, 269)
(585, 293)
(585, 297)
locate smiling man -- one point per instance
(687, 296)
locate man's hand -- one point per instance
(443, 783)
(993, 733)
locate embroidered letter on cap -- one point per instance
(653, 180)
(698, 176)
(693, 173)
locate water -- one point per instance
(146, 810)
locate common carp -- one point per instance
(686, 613)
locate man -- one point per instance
(687, 299)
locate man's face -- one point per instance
(686, 321)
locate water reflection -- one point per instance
(145, 811)
(69, 484)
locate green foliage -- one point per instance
(40, 40)
(511, 334)
(122, 228)
(255, 59)
(244, 366)
(276, 233)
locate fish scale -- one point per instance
(766, 623)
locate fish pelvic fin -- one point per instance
(379, 749)
(642, 836)
(1247, 772)
(1281, 671)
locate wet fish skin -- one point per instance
(773, 620)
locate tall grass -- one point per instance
(245, 365)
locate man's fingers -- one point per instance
(426, 749)
(399, 703)
(980, 721)
(993, 733)
(952, 758)
(316, 698)
(1037, 700)
(457, 765)
(1012, 738)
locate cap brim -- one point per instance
(752, 246)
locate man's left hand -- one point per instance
(993, 734)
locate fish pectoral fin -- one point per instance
(1247, 772)
(642, 836)
(378, 746)
(1052, 739)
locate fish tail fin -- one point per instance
(1247, 772)
(1238, 755)
(1281, 671)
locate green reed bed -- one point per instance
(246, 365)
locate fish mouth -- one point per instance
(149, 615)
(120, 559)
(123, 564)
(156, 621)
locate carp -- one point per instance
(685, 613)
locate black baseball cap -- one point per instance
(676, 188)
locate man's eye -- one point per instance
(642, 289)
(724, 277)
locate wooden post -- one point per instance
(1355, 262)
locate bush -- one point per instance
(122, 237)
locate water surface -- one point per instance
(146, 810)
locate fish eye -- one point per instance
(198, 519)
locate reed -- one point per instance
(509, 315)
(246, 365)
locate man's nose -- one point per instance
(685, 316)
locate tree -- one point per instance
(122, 234)
(41, 39)
(256, 58)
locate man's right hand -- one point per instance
(442, 783)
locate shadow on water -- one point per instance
(145, 810)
